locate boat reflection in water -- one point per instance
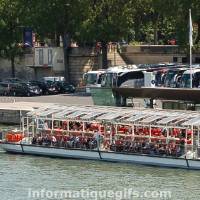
(141, 136)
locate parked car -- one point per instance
(47, 87)
(64, 87)
(42, 85)
(18, 89)
(52, 87)
(4, 89)
(12, 80)
(32, 88)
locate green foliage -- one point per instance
(89, 21)
(11, 14)
(56, 17)
(11, 24)
(108, 20)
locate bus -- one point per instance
(185, 79)
(159, 70)
(173, 77)
(92, 79)
(123, 76)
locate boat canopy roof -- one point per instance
(137, 116)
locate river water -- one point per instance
(24, 177)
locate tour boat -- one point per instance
(131, 135)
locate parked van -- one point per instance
(53, 78)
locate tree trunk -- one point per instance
(57, 39)
(65, 39)
(155, 35)
(156, 30)
(137, 30)
(104, 55)
(12, 66)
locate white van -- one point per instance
(54, 78)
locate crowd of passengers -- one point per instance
(67, 141)
(138, 145)
(144, 146)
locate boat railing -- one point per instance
(130, 147)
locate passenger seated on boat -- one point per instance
(162, 150)
(40, 140)
(178, 151)
(156, 149)
(126, 145)
(168, 151)
(93, 143)
(46, 125)
(47, 140)
(85, 142)
(70, 142)
(34, 140)
(54, 140)
(64, 125)
(146, 147)
(176, 132)
(146, 131)
(106, 145)
(77, 142)
(64, 141)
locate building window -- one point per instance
(175, 59)
(197, 60)
(41, 57)
(50, 57)
(184, 60)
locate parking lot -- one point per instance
(75, 98)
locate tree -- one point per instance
(11, 15)
(57, 18)
(108, 20)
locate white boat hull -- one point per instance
(102, 155)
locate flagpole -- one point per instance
(190, 66)
(190, 42)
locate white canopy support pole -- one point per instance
(51, 124)
(27, 124)
(190, 43)
(150, 133)
(192, 135)
(68, 127)
(133, 132)
(190, 67)
(20, 117)
(36, 128)
(83, 129)
(198, 137)
(167, 134)
(186, 136)
(33, 126)
(23, 125)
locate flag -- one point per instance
(190, 29)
